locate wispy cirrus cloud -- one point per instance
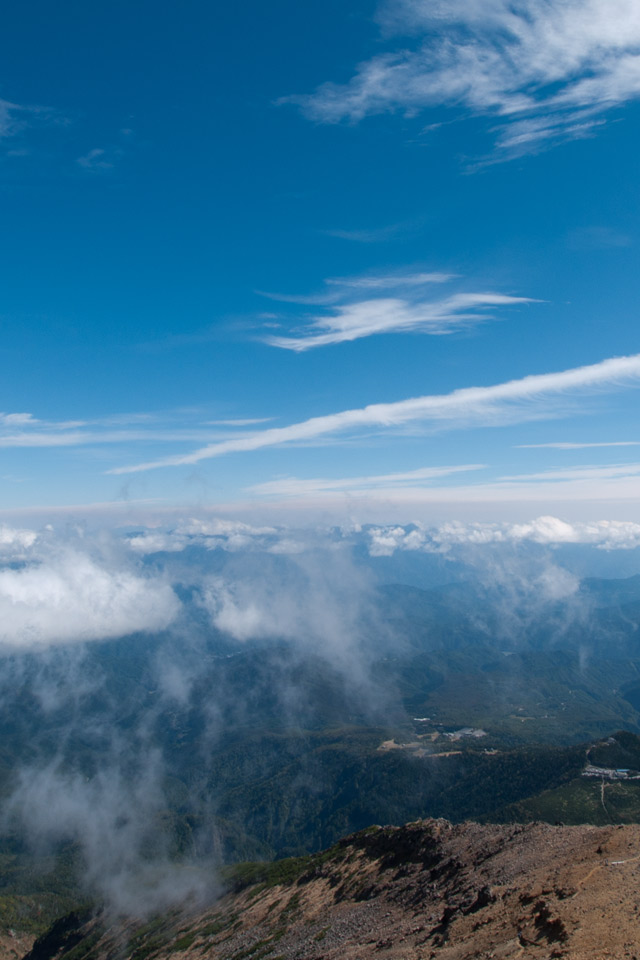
(338, 289)
(391, 315)
(617, 483)
(22, 127)
(15, 117)
(296, 487)
(23, 430)
(392, 304)
(417, 488)
(247, 422)
(17, 419)
(598, 238)
(104, 158)
(533, 397)
(386, 281)
(578, 445)
(583, 472)
(99, 159)
(371, 235)
(78, 438)
(609, 482)
(544, 71)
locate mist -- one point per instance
(151, 676)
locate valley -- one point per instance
(278, 752)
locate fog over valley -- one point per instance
(157, 682)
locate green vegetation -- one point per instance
(217, 926)
(273, 873)
(294, 759)
(84, 949)
(622, 750)
(183, 943)
(581, 801)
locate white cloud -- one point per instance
(41, 439)
(544, 70)
(392, 315)
(219, 527)
(588, 483)
(342, 288)
(158, 542)
(317, 599)
(115, 819)
(389, 281)
(577, 446)
(384, 541)
(76, 590)
(13, 539)
(213, 534)
(545, 530)
(60, 588)
(8, 121)
(91, 438)
(399, 306)
(23, 430)
(295, 487)
(14, 117)
(249, 422)
(66, 595)
(612, 483)
(96, 159)
(533, 397)
(583, 472)
(372, 235)
(598, 238)
(16, 419)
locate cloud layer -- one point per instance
(604, 534)
(300, 585)
(544, 71)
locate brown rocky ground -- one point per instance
(14, 945)
(425, 890)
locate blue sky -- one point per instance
(238, 241)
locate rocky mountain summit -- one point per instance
(429, 889)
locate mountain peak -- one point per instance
(429, 889)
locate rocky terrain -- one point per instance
(14, 945)
(425, 890)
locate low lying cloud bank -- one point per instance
(250, 582)
(212, 534)
(603, 534)
(70, 591)
(12, 540)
